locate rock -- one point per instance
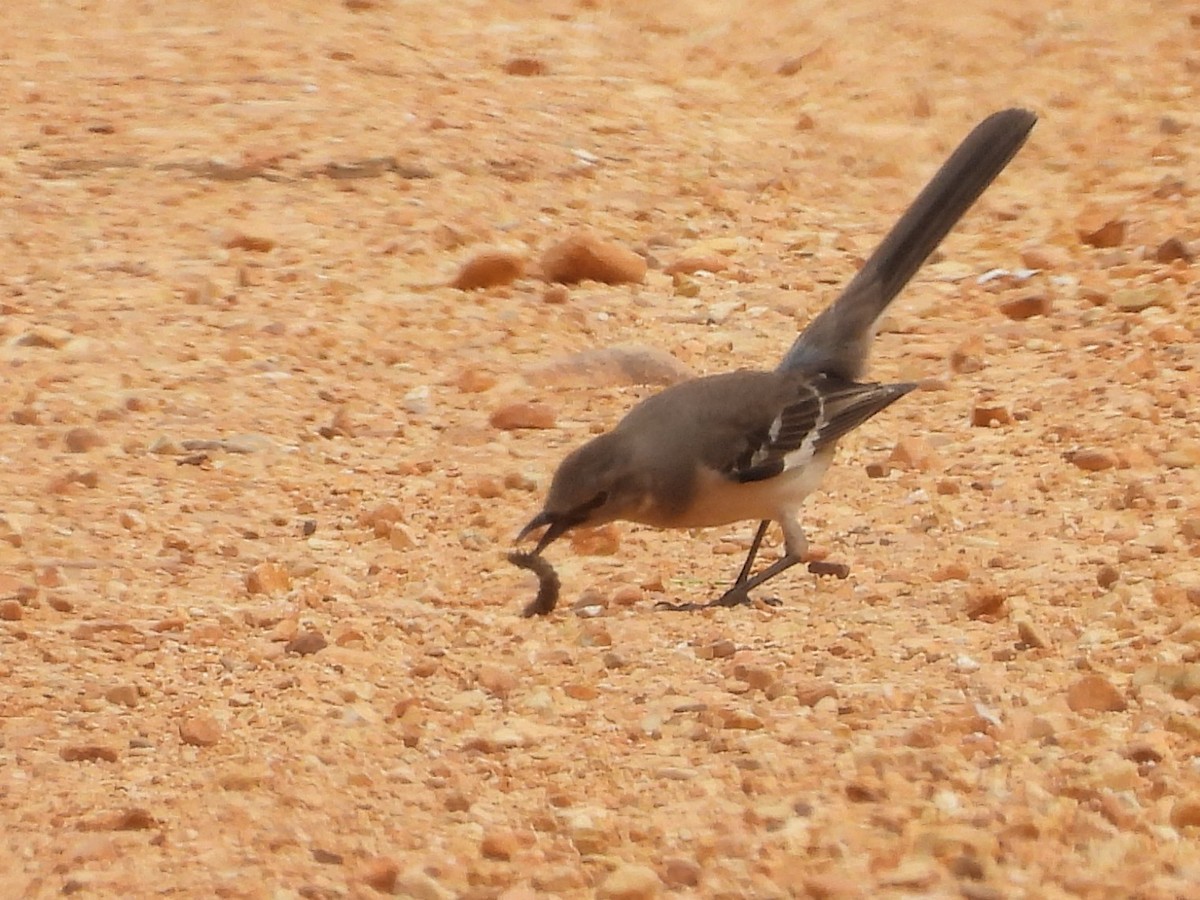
(984, 602)
(415, 401)
(381, 517)
(134, 819)
(740, 719)
(722, 648)
(602, 541)
(401, 537)
(416, 885)
(1139, 299)
(200, 730)
(496, 680)
(1182, 456)
(381, 874)
(955, 571)
(306, 644)
(88, 753)
(1030, 635)
(1044, 257)
(489, 269)
(1026, 307)
(523, 415)
(680, 872)
(913, 453)
(11, 610)
(630, 882)
(555, 294)
(239, 240)
(474, 380)
(81, 440)
(617, 366)
(486, 487)
(1092, 459)
(1172, 249)
(123, 695)
(1186, 812)
(810, 693)
(1094, 693)
(690, 265)
(988, 412)
(584, 257)
(878, 469)
(1099, 229)
(499, 843)
(594, 634)
(268, 578)
(967, 357)
(525, 66)
(578, 690)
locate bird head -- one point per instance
(592, 486)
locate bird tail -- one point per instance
(838, 340)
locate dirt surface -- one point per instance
(258, 636)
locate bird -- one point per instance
(752, 445)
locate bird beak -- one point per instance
(555, 527)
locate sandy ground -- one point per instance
(257, 634)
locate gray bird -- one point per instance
(752, 445)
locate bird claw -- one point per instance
(664, 606)
(735, 596)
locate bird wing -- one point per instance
(822, 410)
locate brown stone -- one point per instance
(1026, 307)
(525, 66)
(88, 753)
(306, 643)
(381, 874)
(630, 882)
(1093, 459)
(488, 268)
(199, 730)
(988, 412)
(81, 440)
(268, 578)
(584, 257)
(1094, 693)
(499, 843)
(523, 415)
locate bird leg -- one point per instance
(795, 547)
(748, 565)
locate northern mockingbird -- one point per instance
(751, 445)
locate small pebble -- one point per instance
(306, 644)
(1094, 693)
(81, 440)
(525, 66)
(584, 257)
(268, 578)
(88, 753)
(381, 874)
(986, 413)
(199, 730)
(1026, 307)
(499, 843)
(630, 882)
(523, 415)
(1092, 459)
(488, 269)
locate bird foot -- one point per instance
(735, 596)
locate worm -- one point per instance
(548, 583)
